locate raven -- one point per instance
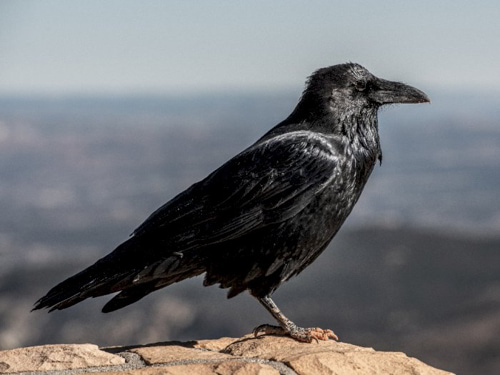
(263, 216)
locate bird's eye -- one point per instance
(360, 85)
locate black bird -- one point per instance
(263, 216)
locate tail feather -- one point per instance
(129, 296)
(137, 292)
(90, 282)
(135, 268)
(108, 275)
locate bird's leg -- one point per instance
(287, 327)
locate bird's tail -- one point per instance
(97, 280)
(85, 284)
(121, 270)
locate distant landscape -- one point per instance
(414, 269)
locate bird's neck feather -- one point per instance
(360, 131)
(357, 128)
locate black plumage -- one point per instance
(263, 216)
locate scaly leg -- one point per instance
(287, 327)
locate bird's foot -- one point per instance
(298, 333)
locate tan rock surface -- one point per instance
(280, 348)
(56, 357)
(165, 353)
(217, 368)
(218, 344)
(329, 357)
(264, 355)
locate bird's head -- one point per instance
(350, 88)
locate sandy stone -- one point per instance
(218, 368)
(56, 357)
(226, 368)
(329, 357)
(169, 353)
(222, 356)
(280, 348)
(374, 363)
(218, 344)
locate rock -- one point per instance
(328, 357)
(217, 344)
(166, 353)
(56, 357)
(264, 355)
(218, 368)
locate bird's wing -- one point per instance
(267, 183)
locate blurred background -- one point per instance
(109, 109)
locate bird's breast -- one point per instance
(334, 203)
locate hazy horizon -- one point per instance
(425, 179)
(126, 46)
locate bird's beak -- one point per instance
(386, 92)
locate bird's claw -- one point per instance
(298, 333)
(322, 334)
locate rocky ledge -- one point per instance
(264, 355)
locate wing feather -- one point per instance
(267, 183)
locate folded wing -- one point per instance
(270, 182)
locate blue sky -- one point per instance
(122, 46)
